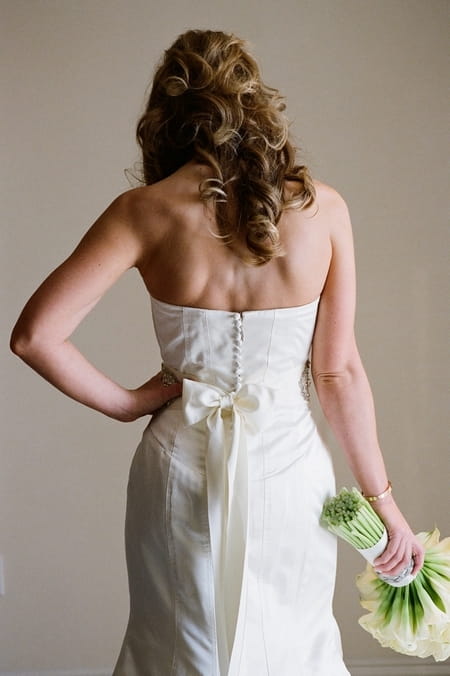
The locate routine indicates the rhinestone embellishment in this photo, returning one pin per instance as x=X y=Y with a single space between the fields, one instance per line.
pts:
x=167 y=377
x=305 y=381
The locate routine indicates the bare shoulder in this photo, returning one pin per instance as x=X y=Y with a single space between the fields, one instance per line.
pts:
x=138 y=203
x=328 y=197
x=143 y=211
x=331 y=207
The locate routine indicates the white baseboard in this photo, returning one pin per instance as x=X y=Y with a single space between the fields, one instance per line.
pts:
x=356 y=668
x=397 y=668
x=63 y=672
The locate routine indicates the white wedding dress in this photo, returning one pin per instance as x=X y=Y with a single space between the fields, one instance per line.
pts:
x=230 y=572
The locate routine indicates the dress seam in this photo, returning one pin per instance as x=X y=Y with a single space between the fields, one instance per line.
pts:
x=263 y=530
x=212 y=598
x=269 y=346
x=172 y=559
x=208 y=334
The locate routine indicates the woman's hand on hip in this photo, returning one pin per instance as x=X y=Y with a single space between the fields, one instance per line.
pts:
x=151 y=396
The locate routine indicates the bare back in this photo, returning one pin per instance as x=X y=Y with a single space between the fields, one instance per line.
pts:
x=170 y=236
x=185 y=262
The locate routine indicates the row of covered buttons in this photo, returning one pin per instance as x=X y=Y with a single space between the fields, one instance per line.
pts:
x=237 y=349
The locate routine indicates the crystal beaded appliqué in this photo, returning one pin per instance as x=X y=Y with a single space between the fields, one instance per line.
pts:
x=167 y=377
x=305 y=381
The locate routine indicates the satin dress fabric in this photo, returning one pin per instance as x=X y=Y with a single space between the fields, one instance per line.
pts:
x=230 y=572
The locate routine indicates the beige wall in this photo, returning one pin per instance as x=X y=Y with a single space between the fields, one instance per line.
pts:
x=365 y=86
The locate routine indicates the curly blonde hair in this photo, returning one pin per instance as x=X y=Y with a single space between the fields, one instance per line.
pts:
x=208 y=103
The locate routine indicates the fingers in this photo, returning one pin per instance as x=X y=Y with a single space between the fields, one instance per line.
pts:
x=163 y=392
x=171 y=388
x=401 y=548
x=418 y=557
x=395 y=557
x=154 y=395
x=171 y=391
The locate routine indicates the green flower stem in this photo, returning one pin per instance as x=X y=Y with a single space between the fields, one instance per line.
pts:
x=350 y=516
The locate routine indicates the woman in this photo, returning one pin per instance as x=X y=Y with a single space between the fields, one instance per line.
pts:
x=249 y=265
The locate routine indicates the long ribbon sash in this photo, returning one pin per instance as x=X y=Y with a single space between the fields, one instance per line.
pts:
x=229 y=417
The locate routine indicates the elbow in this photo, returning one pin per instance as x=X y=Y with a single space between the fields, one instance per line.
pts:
x=338 y=377
x=333 y=380
x=23 y=344
x=337 y=372
x=19 y=343
x=16 y=341
x=334 y=387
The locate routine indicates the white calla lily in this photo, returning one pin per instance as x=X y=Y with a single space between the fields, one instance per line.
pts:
x=412 y=620
x=410 y=615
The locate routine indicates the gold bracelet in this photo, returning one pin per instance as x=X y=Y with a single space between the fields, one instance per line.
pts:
x=384 y=494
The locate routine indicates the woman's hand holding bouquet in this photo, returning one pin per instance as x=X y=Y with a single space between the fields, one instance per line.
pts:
x=406 y=584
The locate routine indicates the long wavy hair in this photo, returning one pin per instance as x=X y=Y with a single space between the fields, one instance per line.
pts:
x=208 y=103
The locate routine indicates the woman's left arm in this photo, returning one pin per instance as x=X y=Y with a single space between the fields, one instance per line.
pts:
x=41 y=335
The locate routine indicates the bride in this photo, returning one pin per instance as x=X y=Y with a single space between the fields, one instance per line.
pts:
x=249 y=265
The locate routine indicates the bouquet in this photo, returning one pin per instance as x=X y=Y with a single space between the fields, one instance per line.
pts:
x=410 y=614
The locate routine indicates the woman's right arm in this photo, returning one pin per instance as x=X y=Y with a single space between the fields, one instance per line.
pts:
x=41 y=336
x=344 y=391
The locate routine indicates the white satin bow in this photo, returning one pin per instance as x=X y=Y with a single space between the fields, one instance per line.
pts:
x=201 y=400
x=230 y=417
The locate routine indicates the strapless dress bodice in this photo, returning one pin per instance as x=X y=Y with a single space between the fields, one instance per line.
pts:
x=227 y=349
